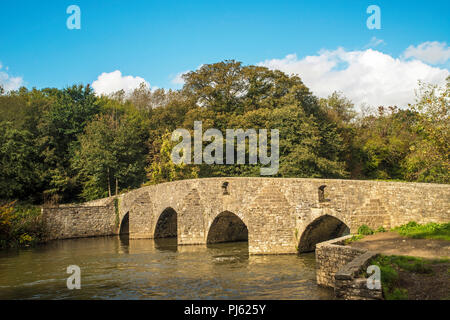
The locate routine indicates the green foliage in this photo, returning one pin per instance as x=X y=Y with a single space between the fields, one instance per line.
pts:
x=389 y=276
x=426 y=231
x=163 y=169
x=381 y=229
x=354 y=238
x=20 y=168
x=71 y=145
x=20 y=225
x=365 y=230
x=112 y=153
x=71 y=110
x=429 y=157
x=397 y=294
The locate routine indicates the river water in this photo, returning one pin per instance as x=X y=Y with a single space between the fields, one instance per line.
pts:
x=118 y=268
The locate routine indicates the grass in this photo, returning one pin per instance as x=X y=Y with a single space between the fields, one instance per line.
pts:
x=364 y=230
x=391 y=265
x=430 y=230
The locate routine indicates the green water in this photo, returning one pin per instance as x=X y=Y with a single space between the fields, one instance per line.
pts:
x=115 y=268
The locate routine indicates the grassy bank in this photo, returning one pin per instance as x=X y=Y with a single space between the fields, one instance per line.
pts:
x=430 y=230
x=404 y=277
x=20 y=225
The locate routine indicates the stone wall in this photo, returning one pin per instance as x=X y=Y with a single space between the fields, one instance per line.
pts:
x=350 y=285
x=79 y=221
x=340 y=267
x=276 y=211
x=331 y=256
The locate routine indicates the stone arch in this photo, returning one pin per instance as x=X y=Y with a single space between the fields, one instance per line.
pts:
x=321 y=229
x=227 y=227
x=167 y=224
x=124 y=229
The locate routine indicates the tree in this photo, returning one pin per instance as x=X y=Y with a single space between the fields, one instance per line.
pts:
x=429 y=159
x=70 y=111
x=383 y=141
x=112 y=155
x=20 y=174
x=163 y=169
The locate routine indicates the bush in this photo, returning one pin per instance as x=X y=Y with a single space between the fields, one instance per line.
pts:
x=365 y=230
x=20 y=225
x=381 y=229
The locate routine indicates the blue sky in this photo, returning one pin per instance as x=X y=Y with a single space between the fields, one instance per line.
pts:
x=156 y=40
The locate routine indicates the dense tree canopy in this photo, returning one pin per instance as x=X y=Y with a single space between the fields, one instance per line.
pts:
x=71 y=145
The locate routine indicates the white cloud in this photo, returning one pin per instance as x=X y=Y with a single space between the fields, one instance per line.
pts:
x=374 y=42
x=178 y=79
x=366 y=77
x=108 y=83
x=9 y=83
x=431 y=52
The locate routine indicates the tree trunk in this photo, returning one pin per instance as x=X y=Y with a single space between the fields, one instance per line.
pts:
x=109 y=185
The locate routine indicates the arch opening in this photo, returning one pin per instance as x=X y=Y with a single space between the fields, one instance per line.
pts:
x=322 y=229
x=227 y=227
x=125 y=225
x=166 y=227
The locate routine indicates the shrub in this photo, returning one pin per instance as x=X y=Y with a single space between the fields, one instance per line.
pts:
x=365 y=230
x=20 y=225
x=381 y=229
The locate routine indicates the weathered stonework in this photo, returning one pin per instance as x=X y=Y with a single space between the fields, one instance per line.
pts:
x=331 y=256
x=349 y=285
x=340 y=267
x=276 y=211
x=79 y=221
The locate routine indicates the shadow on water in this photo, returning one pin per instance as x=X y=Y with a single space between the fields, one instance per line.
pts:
x=124 y=243
x=229 y=252
x=166 y=244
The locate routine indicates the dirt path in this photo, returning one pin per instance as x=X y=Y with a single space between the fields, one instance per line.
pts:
x=391 y=243
x=435 y=286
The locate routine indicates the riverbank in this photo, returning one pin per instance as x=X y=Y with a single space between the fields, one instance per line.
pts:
x=413 y=260
x=392 y=243
x=412 y=278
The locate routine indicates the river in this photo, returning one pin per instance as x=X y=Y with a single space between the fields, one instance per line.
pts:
x=118 y=268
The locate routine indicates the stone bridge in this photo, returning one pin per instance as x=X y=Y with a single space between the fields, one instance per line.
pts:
x=275 y=215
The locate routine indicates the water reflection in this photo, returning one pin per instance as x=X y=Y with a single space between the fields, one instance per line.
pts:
x=166 y=244
x=123 y=268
